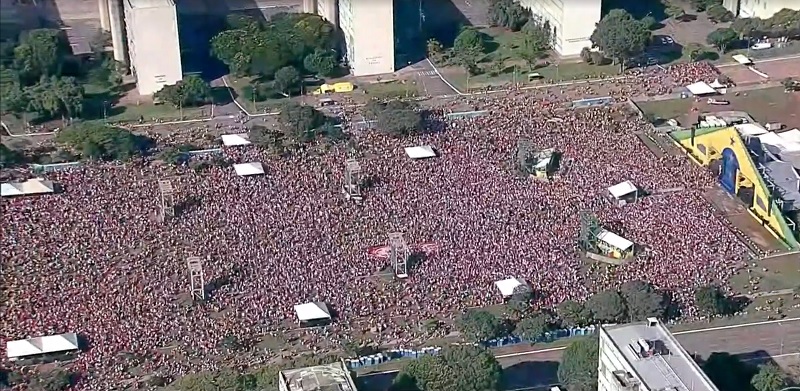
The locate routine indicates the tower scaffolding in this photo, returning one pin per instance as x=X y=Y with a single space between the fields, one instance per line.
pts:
x=167 y=199
x=197 y=281
x=352 y=180
x=399 y=253
x=524 y=152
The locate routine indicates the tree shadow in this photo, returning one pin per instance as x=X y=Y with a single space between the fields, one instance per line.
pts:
x=639 y=9
x=708 y=55
x=223 y=95
x=530 y=374
x=442 y=20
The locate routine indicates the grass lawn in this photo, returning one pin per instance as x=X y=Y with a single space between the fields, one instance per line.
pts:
x=99 y=97
x=239 y=83
x=390 y=89
x=768 y=275
x=665 y=109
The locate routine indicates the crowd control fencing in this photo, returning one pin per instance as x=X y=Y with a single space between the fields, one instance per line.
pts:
x=54 y=167
x=203 y=152
x=466 y=114
x=592 y=102
x=396 y=354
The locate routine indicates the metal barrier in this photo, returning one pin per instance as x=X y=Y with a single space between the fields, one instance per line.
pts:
x=466 y=114
x=394 y=354
x=44 y=168
x=592 y=102
x=201 y=152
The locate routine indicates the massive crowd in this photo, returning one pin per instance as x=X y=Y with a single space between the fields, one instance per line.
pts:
x=96 y=260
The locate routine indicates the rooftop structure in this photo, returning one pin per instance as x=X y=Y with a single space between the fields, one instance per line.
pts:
x=155 y=53
x=646 y=356
x=330 y=377
x=48 y=344
x=759 y=8
x=368 y=30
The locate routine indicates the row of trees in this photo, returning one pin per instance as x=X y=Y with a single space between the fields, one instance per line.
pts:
x=395 y=117
x=784 y=23
x=633 y=301
x=191 y=91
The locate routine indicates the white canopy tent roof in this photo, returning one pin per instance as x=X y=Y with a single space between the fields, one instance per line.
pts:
x=42 y=345
x=622 y=189
x=774 y=140
x=247 y=169
x=716 y=84
x=742 y=59
x=614 y=240
x=230 y=140
x=312 y=311
x=29 y=187
x=421 y=152
x=750 y=129
x=507 y=286
x=792 y=136
x=701 y=88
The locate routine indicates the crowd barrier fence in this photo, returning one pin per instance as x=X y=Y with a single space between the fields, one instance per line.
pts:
x=592 y=102
x=395 y=354
x=53 y=167
x=467 y=114
x=202 y=152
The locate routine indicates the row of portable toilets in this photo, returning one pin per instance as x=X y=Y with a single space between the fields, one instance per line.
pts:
x=394 y=354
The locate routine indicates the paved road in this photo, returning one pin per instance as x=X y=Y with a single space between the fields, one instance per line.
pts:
x=429 y=80
x=751 y=341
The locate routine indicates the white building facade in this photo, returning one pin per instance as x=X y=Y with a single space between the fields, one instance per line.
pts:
x=573 y=22
x=763 y=8
x=368 y=29
x=645 y=356
x=153 y=45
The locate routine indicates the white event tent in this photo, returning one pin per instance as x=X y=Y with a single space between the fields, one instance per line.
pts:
x=509 y=285
x=29 y=187
x=247 y=169
x=421 y=152
x=614 y=240
x=701 y=88
x=622 y=189
x=312 y=312
x=230 y=140
x=41 y=345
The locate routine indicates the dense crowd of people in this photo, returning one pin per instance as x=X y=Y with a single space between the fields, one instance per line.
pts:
x=95 y=259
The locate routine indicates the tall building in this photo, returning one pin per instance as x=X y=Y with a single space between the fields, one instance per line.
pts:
x=645 y=356
x=368 y=29
x=761 y=8
x=153 y=47
x=573 y=22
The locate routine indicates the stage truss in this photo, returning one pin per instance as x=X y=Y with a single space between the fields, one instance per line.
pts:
x=197 y=281
x=399 y=254
x=351 y=188
x=167 y=199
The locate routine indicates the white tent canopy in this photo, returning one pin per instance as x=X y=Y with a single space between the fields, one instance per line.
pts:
x=750 y=129
x=622 y=189
x=509 y=285
x=701 y=88
x=247 y=169
x=29 y=187
x=717 y=84
x=42 y=345
x=312 y=311
x=614 y=240
x=781 y=143
x=792 y=136
x=742 y=59
x=421 y=152
x=230 y=140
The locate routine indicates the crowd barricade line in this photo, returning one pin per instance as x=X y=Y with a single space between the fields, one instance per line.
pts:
x=396 y=354
x=53 y=167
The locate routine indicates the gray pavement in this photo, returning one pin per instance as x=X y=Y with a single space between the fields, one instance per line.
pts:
x=429 y=81
x=750 y=342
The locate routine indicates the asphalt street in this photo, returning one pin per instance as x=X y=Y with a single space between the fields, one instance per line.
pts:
x=538 y=368
x=428 y=79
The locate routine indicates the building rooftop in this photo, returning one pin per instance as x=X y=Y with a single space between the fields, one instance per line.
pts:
x=330 y=377
x=139 y=4
x=667 y=367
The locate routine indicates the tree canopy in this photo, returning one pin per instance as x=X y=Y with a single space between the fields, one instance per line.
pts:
x=40 y=53
x=532 y=327
x=508 y=14
x=252 y=48
x=642 y=300
x=479 y=326
x=456 y=368
x=607 y=307
x=96 y=141
x=711 y=300
x=395 y=117
x=300 y=122
x=469 y=47
x=538 y=39
x=722 y=38
x=191 y=91
x=769 y=378
x=620 y=36
x=578 y=369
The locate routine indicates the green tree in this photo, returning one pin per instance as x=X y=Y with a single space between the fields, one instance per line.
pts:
x=434 y=48
x=649 y=22
x=620 y=36
x=10 y=157
x=727 y=372
x=299 y=122
x=520 y=302
x=711 y=300
x=722 y=38
x=287 y=80
x=719 y=13
x=642 y=300
x=469 y=47
x=538 y=40
x=693 y=51
x=479 y=326
x=769 y=378
x=456 y=368
x=607 y=307
x=267 y=377
x=578 y=369
x=532 y=327
x=55 y=380
x=41 y=52
x=674 y=12
x=56 y=96
x=191 y=91
x=574 y=314
x=320 y=62
x=398 y=118
x=746 y=27
x=13 y=98
x=96 y=141
x=508 y=14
